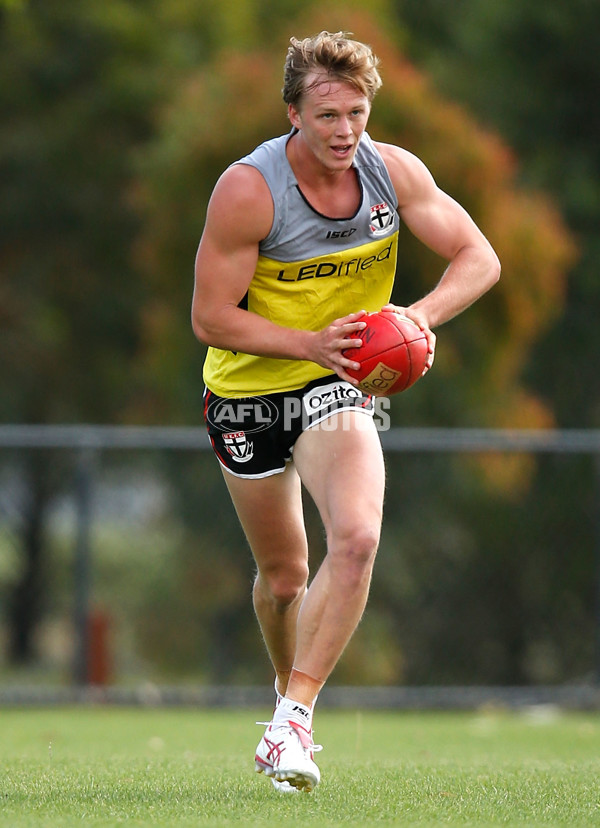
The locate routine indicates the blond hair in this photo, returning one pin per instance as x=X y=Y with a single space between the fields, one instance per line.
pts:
x=334 y=54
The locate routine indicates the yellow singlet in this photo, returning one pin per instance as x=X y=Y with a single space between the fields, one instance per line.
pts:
x=351 y=267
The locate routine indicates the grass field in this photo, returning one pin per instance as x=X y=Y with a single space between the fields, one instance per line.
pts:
x=114 y=766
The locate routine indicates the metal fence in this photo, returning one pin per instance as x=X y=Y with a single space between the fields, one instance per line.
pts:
x=123 y=571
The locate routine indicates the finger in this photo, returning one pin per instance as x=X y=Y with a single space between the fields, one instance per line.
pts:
x=354 y=326
x=394 y=309
x=349 y=363
x=430 y=353
x=343 y=361
x=346 y=344
x=350 y=318
x=346 y=377
x=406 y=313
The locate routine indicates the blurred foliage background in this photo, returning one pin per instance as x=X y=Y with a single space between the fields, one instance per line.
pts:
x=117 y=119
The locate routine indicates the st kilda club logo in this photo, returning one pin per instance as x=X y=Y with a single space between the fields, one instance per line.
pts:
x=380 y=219
x=238 y=446
x=236 y=418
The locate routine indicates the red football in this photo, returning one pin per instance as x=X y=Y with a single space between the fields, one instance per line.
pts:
x=393 y=354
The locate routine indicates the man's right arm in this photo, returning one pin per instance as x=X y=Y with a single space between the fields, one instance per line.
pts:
x=239 y=216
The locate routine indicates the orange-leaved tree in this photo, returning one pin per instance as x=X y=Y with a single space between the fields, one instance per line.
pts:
x=224 y=110
x=218 y=115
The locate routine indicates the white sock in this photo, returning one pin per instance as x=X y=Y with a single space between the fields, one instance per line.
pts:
x=289 y=710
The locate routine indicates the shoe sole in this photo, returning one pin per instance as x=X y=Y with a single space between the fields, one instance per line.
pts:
x=284 y=788
x=300 y=780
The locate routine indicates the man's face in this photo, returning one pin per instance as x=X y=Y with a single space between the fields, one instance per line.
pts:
x=331 y=118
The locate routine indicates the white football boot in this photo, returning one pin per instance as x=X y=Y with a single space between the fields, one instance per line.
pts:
x=281 y=787
x=285 y=752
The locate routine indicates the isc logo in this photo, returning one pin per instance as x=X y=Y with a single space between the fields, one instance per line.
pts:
x=340 y=234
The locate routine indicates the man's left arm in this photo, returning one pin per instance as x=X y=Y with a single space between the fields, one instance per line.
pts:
x=445 y=227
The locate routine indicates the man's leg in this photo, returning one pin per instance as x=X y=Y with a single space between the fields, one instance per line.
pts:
x=341 y=465
x=270 y=512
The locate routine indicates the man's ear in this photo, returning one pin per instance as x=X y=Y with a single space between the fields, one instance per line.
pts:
x=294 y=116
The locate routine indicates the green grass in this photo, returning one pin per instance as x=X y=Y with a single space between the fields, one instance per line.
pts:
x=101 y=766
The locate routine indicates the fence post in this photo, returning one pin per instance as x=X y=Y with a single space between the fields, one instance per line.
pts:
x=84 y=474
x=596 y=672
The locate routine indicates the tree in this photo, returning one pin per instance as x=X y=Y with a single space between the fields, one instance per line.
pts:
x=76 y=97
x=531 y=71
x=222 y=111
x=227 y=108
x=73 y=107
x=118 y=118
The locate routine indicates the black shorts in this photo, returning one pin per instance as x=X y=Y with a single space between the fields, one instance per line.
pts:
x=254 y=436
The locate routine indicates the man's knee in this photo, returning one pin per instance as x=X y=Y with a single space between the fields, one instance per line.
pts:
x=282 y=584
x=352 y=550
